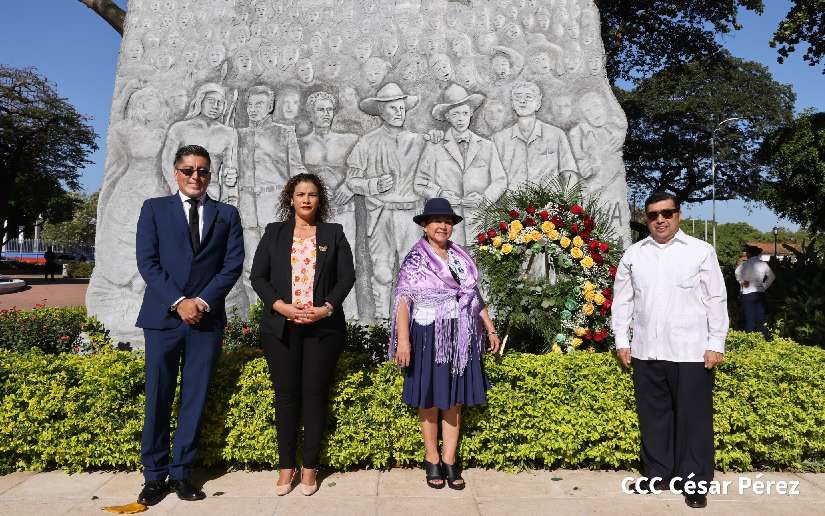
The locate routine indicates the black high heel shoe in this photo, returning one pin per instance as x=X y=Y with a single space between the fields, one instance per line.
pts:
x=434 y=472
x=453 y=474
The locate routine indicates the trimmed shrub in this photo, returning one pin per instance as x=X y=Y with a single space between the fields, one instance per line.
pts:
x=52 y=330
x=79 y=269
x=544 y=411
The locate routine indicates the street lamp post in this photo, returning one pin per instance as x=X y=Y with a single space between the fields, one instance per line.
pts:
x=713 y=171
x=775 y=235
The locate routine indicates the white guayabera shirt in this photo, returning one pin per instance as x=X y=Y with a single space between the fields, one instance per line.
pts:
x=673 y=297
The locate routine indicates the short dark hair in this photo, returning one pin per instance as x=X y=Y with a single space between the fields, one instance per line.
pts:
x=286 y=211
x=662 y=196
x=192 y=150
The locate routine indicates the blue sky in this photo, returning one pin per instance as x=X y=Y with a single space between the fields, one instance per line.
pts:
x=77 y=51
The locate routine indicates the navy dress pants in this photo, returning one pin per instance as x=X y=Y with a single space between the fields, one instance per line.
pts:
x=754 y=312
x=194 y=353
x=675 y=408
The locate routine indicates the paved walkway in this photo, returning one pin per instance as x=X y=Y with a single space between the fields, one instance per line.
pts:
x=57 y=292
x=402 y=491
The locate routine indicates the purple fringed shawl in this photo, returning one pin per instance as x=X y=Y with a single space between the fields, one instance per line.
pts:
x=425 y=279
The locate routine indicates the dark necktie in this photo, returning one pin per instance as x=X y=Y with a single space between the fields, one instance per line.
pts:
x=194 y=223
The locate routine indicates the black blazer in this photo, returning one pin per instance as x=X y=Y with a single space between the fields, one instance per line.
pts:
x=271 y=274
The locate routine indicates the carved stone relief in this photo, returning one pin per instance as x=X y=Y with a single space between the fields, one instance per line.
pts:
x=390 y=102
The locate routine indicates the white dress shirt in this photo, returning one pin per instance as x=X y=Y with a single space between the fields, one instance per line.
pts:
x=186 y=206
x=757 y=273
x=673 y=297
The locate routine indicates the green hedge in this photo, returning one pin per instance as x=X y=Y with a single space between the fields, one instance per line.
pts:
x=555 y=410
x=79 y=269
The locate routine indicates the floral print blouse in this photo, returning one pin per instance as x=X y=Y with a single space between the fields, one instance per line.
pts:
x=302 y=257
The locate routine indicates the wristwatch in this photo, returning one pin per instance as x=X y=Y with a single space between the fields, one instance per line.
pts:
x=330 y=309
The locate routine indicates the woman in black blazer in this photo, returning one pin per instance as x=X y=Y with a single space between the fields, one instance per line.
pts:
x=302 y=271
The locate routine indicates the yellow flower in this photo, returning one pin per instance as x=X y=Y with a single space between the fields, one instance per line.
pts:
x=564 y=242
x=506 y=248
x=577 y=241
x=599 y=299
x=580 y=331
x=576 y=342
x=536 y=235
x=553 y=234
x=547 y=227
x=516 y=226
x=587 y=262
x=497 y=241
x=482 y=248
x=588 y=309
x=527 y=237
x=556 y=348
x=588 y=286
x=576 y=253
x=589 y=296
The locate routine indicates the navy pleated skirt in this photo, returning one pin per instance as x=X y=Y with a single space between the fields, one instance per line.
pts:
x=427 y=384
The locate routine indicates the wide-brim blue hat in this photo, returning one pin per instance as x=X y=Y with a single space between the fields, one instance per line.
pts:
x=437 y=207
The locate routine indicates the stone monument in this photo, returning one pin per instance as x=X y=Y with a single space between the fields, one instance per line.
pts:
x=389 y=101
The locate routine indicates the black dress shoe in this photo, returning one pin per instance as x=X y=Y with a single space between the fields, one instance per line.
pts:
x=153 y=492
x=696 y=501
x=186 y=491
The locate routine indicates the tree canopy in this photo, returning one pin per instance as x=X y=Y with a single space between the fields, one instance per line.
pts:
x=80 y=229
x=673 y=115
x=804 y=24
x=796 y=180
x=44 y=143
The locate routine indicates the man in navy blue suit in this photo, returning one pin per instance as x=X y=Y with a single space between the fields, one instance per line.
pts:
x=190 y=254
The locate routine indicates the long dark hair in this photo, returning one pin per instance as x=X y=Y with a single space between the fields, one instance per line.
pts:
x=287 y=212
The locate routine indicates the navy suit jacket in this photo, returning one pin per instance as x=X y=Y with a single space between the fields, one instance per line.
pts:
x=170 y=269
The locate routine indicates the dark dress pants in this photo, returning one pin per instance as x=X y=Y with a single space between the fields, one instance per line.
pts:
x=194 y=352
x=753 y=310
x=301 y=366
x=675 y=408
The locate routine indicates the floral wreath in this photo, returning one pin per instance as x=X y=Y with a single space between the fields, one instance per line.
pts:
x=566 y=295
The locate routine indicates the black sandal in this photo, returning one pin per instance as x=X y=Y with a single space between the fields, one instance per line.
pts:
x=434 y=472
x=453 y=474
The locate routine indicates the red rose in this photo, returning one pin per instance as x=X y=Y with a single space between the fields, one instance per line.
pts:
x=588 y=222
x=245 y=330
x=529 y=221
x=64 y=338
x=531 y=210
x=607 y=304
x=588 y=334
x=503 y=226
x=557 y=222
x=600 y=335
x=482 y=237
x=576 y=209
x=491 y=233
x=513 y=214
x=613 y=271
x=604 y=246
x=597 y=258
x=544 y=215
x=585 y=234
x=593 y=245
x=607 y=292
x=574 y=228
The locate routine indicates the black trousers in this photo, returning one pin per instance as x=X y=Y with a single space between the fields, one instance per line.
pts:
x=301 y=366
x=675 y=408
x=753 y=310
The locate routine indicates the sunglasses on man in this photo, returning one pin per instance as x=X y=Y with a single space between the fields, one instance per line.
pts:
x=667 y=213
x=202 y=172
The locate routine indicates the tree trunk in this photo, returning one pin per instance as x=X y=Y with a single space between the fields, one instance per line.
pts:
x=109 y=11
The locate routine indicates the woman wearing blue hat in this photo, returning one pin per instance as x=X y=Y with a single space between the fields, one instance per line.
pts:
x=438 y=334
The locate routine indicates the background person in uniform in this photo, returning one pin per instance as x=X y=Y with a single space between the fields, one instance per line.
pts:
x=754 y=277
x=190 y=254
x=670 y=291
x=302 y=272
